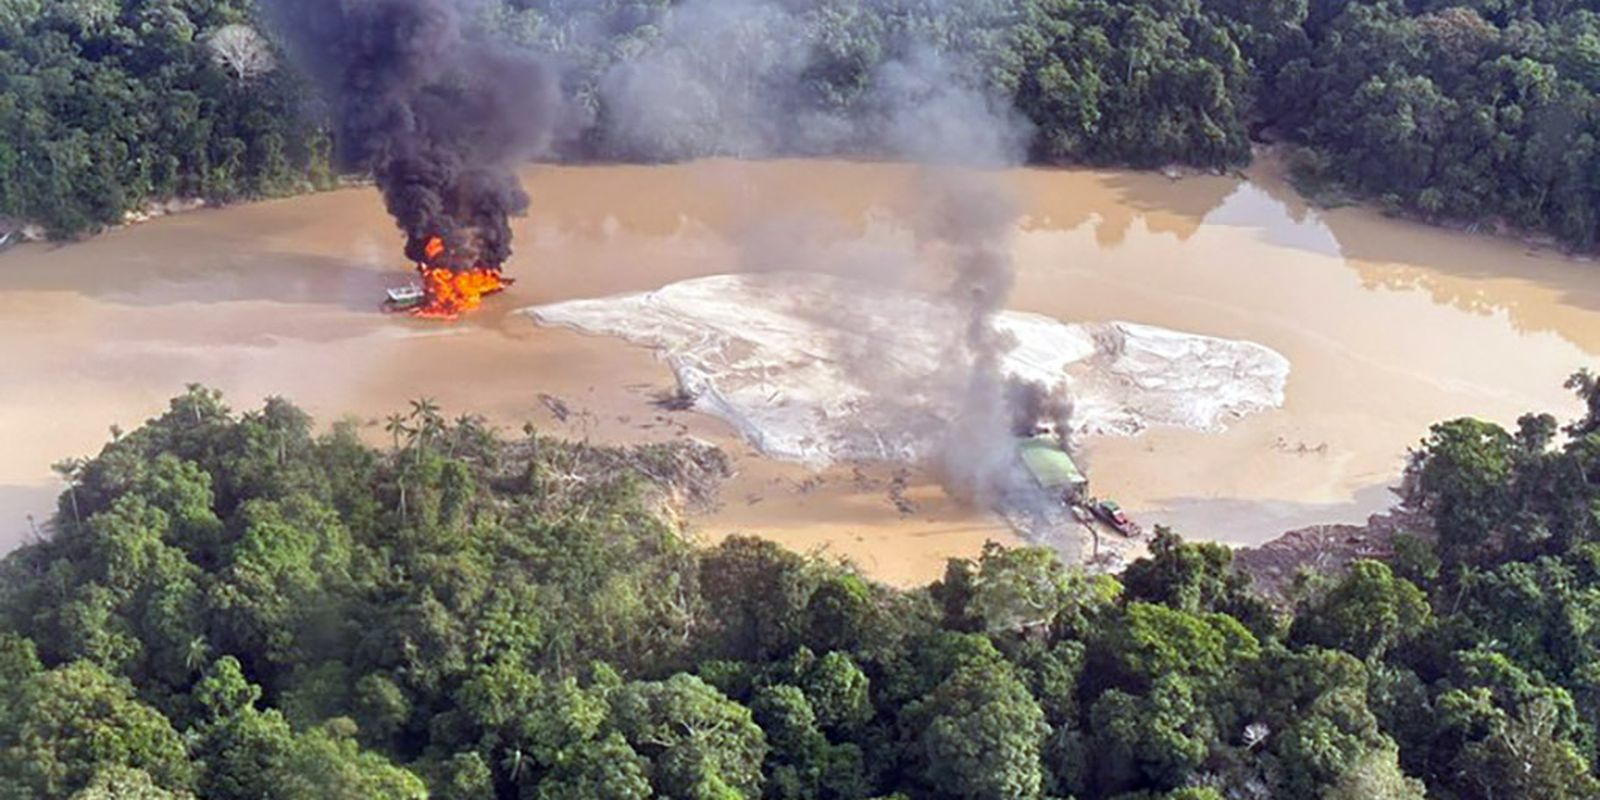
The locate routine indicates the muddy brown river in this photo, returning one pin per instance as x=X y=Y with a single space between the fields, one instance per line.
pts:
x=1389 y=326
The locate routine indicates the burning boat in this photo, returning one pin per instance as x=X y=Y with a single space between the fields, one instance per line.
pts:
x=441 y=119
x=405 y=298
x=445 y=292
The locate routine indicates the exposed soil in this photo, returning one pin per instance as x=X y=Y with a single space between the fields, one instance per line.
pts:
x=1329 y=549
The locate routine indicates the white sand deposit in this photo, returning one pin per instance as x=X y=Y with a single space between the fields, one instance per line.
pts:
x=820 y=369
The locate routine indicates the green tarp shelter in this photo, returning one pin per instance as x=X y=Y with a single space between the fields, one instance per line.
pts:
x=1049 y=464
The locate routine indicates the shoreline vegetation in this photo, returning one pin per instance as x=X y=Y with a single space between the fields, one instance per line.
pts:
x=242 y=609
x=1481 y=113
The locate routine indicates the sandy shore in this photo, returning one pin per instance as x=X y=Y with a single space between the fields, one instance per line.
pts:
x=1389 y=326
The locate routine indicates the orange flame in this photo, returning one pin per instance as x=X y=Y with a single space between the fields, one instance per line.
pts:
x=451 y=293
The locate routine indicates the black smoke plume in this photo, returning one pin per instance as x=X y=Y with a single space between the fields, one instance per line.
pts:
x=1034 y=406
x=440 y=117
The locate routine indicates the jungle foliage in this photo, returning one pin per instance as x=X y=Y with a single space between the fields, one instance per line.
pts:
x=108 y=105
x=1482 y=111
x=232 y=606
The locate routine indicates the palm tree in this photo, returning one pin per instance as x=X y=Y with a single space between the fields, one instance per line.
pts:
x=395 y=425
x=426 y=410
x=194 y=656
x=513 y=763
x=71 y=471
x=424 y=407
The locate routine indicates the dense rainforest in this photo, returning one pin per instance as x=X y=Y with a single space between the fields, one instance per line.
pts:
x=1481 y=111
x=234 y=606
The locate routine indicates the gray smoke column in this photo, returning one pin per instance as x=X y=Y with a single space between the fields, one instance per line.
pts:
x=441 y=118
x=961 y=134
x=722 y=78
x=731 y=77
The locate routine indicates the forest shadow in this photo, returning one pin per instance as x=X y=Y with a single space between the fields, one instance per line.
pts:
x=1450 y=270
x=1450 y=265
x=1166 y=206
